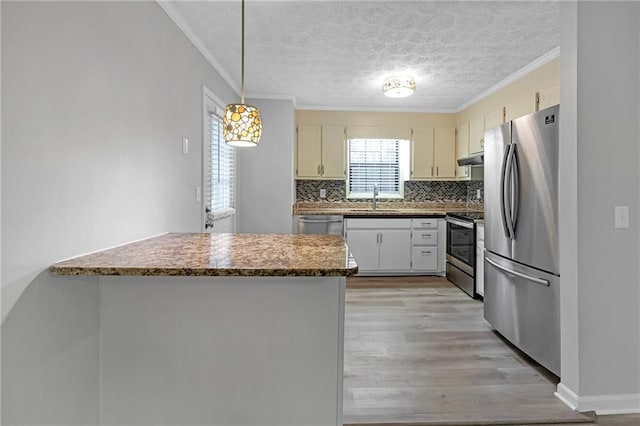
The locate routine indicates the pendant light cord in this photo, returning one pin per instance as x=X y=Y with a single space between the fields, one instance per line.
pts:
x=242 y=53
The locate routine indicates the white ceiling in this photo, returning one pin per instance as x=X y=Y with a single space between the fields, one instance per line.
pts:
x=335 y=54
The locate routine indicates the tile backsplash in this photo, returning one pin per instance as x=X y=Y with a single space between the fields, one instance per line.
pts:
x=414 y=191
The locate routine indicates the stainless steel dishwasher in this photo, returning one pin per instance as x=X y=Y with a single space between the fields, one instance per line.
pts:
x=320 y=224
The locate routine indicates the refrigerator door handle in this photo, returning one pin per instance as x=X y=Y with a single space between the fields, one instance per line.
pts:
x=536 y=280
x=515 y=188
x=503 y=184
x=508 y=193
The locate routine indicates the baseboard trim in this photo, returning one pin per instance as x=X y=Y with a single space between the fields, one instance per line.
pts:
x=628 y=403
x=567 y=396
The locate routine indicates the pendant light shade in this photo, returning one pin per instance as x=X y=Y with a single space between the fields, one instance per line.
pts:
x=241 y=123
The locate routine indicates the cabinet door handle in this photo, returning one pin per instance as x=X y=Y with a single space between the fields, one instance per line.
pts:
x=425 y=252
x=426 y=235
x=437 y=171
x=431 y=170
x=380 y=239
x=322 y=168
x=318 y=169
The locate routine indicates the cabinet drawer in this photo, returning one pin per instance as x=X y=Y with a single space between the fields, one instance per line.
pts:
x=425 y=237
x=424 y=223
x=378 y=223
x=424 y=258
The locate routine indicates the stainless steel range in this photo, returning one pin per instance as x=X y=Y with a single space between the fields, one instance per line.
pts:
x=461 y=250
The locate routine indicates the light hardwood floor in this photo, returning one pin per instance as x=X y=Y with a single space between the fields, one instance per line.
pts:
x=418 y=351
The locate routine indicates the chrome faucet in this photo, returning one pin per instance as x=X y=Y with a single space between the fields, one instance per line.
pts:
x=375 y=196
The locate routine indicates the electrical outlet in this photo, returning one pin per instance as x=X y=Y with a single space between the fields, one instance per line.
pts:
x=323 y=193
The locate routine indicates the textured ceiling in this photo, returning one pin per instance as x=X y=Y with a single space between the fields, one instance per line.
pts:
x=335 y=54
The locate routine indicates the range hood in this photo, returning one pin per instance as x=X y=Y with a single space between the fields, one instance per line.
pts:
x=472 y=160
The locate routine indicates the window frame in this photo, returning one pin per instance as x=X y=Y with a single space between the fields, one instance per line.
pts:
x=214 y=107
x=403 y=169
x=225 y=156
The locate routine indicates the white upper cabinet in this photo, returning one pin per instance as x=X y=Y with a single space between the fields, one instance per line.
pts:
x=333 y=152
x=462 y=149
x=476 y=135
x=549 y=97
x=444 y=152
x=422 y=153
x=433 y=153
x=320 y=152
x=493 y=118
x=518 y=107
x=309 y=152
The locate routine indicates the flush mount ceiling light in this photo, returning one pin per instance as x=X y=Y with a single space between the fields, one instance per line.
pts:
x=241 y=123
x=399 y=86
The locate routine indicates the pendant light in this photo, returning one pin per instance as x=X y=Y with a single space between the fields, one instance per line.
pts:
x=242 y=126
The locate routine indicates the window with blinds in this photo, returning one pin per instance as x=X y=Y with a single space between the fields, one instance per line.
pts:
x=221 y=174
x=377 y=161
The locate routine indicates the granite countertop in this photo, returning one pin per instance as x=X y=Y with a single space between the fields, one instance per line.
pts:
x=219 y=255
x=391 y=209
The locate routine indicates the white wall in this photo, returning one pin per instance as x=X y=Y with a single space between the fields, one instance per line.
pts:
x=602 y=112
x=96 y=97
x=568 y=198
x=265 y=173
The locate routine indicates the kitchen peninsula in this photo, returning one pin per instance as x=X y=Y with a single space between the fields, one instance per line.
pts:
x=220 y=329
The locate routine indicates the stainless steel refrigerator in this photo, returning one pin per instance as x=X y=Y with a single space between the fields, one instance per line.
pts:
x=521 y=267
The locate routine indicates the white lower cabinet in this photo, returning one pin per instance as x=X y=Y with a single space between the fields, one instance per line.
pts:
x=396 y=246
x=480 y=259
x=363 y=244
x=395 y=250
x=424 y=258
x=380 y=245
x=425 y=250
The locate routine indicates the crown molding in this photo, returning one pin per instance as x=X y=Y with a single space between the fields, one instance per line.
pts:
x=195 y=40
x=376 y=109
x=273 y=97
x=537 y=63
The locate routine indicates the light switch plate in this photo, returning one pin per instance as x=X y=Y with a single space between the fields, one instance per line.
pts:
x=621 y=217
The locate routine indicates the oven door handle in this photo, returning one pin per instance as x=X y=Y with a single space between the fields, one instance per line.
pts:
x=462 y=223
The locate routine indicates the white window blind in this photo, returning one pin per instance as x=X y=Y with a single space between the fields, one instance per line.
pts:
x=221 y=175
x=375 y=161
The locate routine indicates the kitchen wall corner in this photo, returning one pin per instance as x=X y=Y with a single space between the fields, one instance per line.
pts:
x=265 y=189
